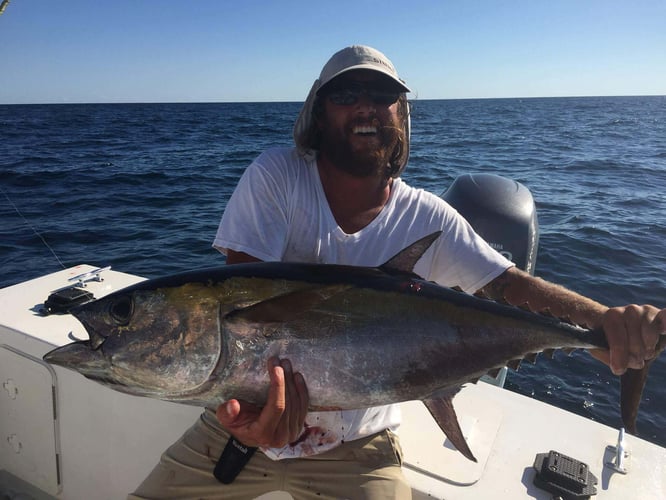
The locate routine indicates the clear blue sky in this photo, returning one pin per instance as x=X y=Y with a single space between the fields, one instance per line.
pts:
x=259 y=50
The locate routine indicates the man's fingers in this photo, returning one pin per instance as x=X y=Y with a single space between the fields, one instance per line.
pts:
x=281 y=420
x=635 y=326
x=660 y=322
x=617 y=337
x=633 y=333
x=228 y=412
x=303 y=399
x=654 y=327
x=272 y=412
x=290 y=425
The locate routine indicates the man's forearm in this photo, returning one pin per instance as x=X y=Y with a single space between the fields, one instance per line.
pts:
x=519 y=288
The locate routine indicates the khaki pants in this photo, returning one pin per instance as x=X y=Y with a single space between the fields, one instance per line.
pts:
x=367 y=468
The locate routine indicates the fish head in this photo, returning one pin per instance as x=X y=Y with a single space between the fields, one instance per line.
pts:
x=162 y=343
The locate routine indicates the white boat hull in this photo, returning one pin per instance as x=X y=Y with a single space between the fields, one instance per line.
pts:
x=64 y=436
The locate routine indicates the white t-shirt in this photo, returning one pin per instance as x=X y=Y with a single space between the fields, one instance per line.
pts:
x=279 y=212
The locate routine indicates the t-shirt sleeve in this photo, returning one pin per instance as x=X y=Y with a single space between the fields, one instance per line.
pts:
x=255 y=218
x=460 y=257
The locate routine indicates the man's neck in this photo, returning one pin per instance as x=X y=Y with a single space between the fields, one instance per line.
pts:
x=354 y=201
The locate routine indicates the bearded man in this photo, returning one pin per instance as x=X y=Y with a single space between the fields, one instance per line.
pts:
x=337 y=198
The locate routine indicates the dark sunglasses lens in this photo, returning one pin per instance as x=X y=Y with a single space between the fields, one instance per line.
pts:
x=344 y=97
x=383 y=97
x=348 y=97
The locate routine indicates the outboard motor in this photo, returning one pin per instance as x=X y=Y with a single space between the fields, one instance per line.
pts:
x=502 y=212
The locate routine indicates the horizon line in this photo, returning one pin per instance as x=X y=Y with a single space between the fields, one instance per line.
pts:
x=301 y=102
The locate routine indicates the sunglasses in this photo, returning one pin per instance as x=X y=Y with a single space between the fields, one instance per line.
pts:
x=350 y=95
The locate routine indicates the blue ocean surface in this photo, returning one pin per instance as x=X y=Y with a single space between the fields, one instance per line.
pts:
x=141 y=187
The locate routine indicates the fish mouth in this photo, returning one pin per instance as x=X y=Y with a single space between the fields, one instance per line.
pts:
x=83 y=358
x=95 y=340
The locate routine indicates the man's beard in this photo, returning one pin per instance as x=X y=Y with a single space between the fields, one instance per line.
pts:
x=360 y=162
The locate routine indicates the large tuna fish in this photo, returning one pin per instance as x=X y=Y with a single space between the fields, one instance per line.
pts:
x=360 y=336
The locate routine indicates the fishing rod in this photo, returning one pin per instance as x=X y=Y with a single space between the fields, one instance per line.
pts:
x=23 y=217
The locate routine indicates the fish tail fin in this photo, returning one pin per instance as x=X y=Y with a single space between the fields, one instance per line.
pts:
x=441 y=408
x=631 y=389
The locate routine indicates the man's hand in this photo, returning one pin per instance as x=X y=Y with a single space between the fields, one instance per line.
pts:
x=635 y=334
x=278 y=423
x=632 y=333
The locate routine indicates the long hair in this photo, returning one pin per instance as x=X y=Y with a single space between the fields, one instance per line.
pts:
x=308 y=136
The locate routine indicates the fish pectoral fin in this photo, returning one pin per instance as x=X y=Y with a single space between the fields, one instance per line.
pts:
x=288 y=306
x=441 y=409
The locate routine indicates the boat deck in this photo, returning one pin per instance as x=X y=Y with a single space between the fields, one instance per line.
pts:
x=68 y=437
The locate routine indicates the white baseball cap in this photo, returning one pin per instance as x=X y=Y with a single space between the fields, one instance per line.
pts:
x=360 y=57
x=347 y=59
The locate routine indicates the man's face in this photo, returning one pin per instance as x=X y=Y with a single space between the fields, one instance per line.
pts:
x=360 y=124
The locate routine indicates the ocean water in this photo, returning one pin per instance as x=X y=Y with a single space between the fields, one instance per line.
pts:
x=141 y=187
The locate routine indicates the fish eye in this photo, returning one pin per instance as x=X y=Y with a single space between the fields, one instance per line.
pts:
x=121 y=310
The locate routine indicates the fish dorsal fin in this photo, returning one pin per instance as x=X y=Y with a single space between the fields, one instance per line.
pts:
x=441 y=409
x=405 y=260
x=288 y=306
